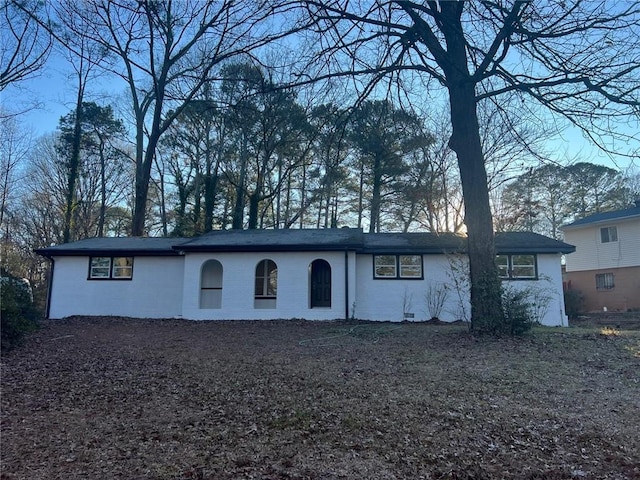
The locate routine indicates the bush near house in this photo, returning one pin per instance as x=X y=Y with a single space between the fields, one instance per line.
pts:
x=17 y=311
x=573 y=303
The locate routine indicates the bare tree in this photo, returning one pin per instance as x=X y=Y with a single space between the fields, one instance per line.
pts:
x=24 y=42
x=577 y=59
x=14 y=148
x=165 y=51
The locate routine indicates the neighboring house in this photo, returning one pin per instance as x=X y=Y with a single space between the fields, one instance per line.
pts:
x=605 y=267
x=311 y=274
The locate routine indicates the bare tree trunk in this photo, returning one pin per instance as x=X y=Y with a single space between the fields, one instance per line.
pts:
x=486 y=306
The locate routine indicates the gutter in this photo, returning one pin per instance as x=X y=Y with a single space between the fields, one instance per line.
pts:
x=346 y=284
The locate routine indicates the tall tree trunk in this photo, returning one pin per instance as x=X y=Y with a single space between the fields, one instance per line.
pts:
x=103 y=191
x=486 y=306
x=374 y=225
x=238 y=209
x=73 y=169
x=254 y=204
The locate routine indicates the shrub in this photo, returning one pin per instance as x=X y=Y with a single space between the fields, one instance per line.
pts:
x=518 y=311
x=16 y=311
x=573 y=302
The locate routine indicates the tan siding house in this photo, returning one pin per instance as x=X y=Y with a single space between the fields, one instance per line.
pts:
x=605 y=267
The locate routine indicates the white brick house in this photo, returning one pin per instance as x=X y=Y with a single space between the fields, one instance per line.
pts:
x=311 y=274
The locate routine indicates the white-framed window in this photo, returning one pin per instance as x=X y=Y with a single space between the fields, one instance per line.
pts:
x=384 y=266
x=410 y=266
x=406 y=267
x=517 y=267
x=605 y=281
x=110 y=268
x=608 y=234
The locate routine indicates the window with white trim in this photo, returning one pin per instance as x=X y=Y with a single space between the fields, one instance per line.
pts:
x=110 y=268
x=397 y=267
x=517 y=267
x=608 y=234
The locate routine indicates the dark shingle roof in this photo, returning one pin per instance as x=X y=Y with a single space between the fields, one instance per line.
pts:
x=529 y=242
x=506 y=242
x=304 y=240
x=607 y=216
x=413 y=243
x=275 y=240
x=115 y=246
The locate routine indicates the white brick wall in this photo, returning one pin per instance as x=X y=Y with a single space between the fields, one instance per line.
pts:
x=238 y=286
x=155 y=291
x=164 y=287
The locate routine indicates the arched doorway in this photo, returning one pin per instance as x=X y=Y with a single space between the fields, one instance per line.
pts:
x=320 y=284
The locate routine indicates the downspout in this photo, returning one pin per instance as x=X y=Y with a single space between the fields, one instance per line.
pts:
x=346 y=284
x=49 y=288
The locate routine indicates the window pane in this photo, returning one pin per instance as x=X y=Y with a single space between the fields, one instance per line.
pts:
x=385 y=266
x=100 y=267
x=122 y=267
x=608 y=234
x=410 y=266
x=266 y=279
x=259 y=286
x=604 y=281
x=503 y=265
x=523 y=266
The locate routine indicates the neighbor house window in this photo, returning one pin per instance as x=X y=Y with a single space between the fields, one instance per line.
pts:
x=115 y=268
x=517 y=267
x=397 y=266
x=608 y=234
x=604 y=281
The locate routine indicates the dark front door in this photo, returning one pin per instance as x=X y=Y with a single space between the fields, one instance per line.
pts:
x=320 y=284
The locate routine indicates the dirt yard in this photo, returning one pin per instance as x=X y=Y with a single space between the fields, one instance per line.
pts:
x=133 y=399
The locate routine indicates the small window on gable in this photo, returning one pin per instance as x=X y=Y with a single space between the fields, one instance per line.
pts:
x=111 y=268
x=608 y=234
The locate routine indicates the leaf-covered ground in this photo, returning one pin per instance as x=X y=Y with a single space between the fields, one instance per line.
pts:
x=118 y=398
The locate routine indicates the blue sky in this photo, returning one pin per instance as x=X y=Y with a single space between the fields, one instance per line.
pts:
x=54 y=92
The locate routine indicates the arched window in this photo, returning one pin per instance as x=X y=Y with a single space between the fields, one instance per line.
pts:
x=211 y=284
x=320 y=290
x=266 y=284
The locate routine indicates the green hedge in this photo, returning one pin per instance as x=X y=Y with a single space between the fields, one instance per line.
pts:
x=17 y=311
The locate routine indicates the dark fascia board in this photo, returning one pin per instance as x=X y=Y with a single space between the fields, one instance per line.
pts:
x=49 y=253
